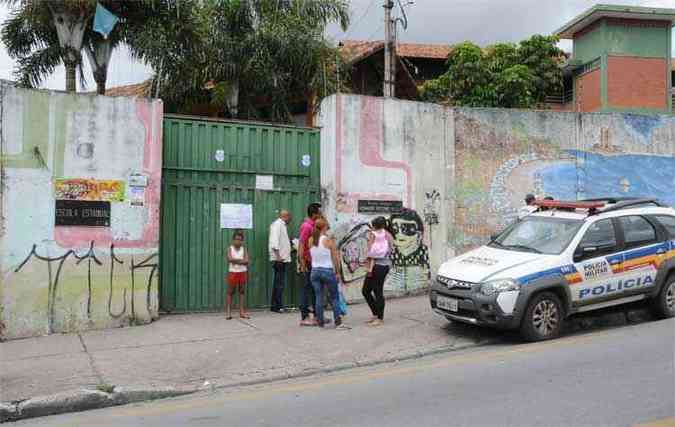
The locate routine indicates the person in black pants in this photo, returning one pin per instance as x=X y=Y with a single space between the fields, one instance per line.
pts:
x=373 y=286
x=280 y=256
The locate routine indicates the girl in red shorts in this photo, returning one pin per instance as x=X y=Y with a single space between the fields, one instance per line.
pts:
x=237 y=258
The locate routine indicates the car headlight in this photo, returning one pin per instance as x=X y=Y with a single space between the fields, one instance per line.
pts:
x=498 y=286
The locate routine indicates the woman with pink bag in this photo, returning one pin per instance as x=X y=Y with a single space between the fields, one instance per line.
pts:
x=380 y=245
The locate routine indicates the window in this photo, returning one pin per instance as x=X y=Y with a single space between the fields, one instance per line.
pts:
x=669 y=223
x=600 y=235
x=538 y=234
x=637 y=231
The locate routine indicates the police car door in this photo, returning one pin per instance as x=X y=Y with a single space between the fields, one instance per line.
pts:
x=596 y=258
x=644 y=250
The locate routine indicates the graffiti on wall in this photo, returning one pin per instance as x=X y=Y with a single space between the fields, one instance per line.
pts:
x=89 y=189
x=353 y=249
x=67 y=147
x=55 y=266
x=501 y=157
x=410 y=255
x=392 y=179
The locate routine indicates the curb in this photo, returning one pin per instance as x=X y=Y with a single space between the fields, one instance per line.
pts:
x=84 y=400
x=87 y=399
x=353 y=365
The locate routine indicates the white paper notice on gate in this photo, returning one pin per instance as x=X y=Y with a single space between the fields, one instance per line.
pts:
x=236 y=216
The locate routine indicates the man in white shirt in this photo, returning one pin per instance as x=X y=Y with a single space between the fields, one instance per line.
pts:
x=528 y=208
x=280 y=256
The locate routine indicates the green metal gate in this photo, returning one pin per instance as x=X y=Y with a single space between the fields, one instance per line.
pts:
x=207 y=163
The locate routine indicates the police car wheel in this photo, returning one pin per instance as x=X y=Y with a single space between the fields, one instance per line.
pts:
x=543 y=318
x=664 y=304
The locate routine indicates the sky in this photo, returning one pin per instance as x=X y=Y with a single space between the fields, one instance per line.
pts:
x=429 y=21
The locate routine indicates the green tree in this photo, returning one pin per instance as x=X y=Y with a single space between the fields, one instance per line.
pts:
x=543 y=57
x=503 y=75
x=264 y=52
x=41 y=35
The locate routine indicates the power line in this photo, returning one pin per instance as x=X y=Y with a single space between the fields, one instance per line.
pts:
x=358 y=21
x=375 y=32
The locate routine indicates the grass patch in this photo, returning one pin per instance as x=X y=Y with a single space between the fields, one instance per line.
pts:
x=106 y=388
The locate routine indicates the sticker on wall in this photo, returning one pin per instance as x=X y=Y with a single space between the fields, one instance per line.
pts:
x=264 y=182
x=137 y=180
x=89 y=189
x=220 y=156
x=236 y=216
x=137 y=196
x=306 y=160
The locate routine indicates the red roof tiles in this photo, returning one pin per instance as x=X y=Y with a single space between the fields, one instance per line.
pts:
x=140 y=90
x=356 y=50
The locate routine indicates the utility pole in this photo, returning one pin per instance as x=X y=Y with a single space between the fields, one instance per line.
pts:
x=389 y=52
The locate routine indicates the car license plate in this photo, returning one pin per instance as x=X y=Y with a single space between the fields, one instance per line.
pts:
x=450 y=304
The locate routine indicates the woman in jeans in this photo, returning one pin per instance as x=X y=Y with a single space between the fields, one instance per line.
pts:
x=373 y=285
x=325 y=272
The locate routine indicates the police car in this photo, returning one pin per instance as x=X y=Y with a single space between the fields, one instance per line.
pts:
x=564 y=258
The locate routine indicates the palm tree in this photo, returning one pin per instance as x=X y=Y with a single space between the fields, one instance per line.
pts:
x=41 y=35
x=36 y=42
x=246 y=50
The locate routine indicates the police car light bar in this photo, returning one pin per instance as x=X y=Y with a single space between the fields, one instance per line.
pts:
x=560 y=204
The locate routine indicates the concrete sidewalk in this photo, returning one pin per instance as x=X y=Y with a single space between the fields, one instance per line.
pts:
x=189 y=350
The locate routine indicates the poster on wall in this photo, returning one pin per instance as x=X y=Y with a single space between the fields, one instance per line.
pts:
x=236 y=216
x=82 y=213
x=264 y=182
x=89 y=189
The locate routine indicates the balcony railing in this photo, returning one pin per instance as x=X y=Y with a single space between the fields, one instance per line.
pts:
x=561 y=98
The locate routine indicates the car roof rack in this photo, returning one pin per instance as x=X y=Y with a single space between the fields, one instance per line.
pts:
x=596 y=206
x=632 y=203
x=611 y=199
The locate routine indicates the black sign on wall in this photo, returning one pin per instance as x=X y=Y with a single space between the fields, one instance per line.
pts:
x=379 y=206
x=82 y=213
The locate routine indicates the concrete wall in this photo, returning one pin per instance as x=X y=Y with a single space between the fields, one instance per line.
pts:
x=466 y=171
x=69 y=278
x=376 y=149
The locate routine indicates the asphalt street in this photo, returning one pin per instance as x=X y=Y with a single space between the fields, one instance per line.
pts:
x=616 y=377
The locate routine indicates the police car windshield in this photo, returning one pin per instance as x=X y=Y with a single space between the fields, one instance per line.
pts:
x=539 y=235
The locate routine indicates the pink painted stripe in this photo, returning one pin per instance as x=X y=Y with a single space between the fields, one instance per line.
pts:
x=370 y=149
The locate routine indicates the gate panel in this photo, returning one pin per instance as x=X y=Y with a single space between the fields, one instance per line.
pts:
x=196 y=181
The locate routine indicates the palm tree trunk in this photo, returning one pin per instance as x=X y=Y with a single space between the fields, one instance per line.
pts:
x=101 y=77
x=71 y=81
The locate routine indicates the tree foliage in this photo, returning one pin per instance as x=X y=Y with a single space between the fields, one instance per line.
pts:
x=255 y=56
x=503 y=75
x=42 y=35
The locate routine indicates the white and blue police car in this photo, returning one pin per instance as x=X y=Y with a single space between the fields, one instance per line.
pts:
x=562 y=259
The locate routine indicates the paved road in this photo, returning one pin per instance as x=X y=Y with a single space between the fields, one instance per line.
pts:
x=618 y=377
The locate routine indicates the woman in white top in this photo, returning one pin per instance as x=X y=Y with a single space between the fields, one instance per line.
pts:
x=325 y=272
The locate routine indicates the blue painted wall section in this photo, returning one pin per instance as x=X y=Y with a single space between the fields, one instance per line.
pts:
x=501 y=155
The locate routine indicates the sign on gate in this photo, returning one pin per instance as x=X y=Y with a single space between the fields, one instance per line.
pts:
x=236 y=216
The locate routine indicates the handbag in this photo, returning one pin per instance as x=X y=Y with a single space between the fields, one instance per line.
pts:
x=342 y=303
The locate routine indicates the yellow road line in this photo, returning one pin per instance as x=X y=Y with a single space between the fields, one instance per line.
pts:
x=666 y=422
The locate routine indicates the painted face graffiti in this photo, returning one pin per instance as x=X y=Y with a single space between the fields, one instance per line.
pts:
x=408 y=231
x=407 y=236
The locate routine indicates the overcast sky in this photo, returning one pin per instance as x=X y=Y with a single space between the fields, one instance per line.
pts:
x=430 y=21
